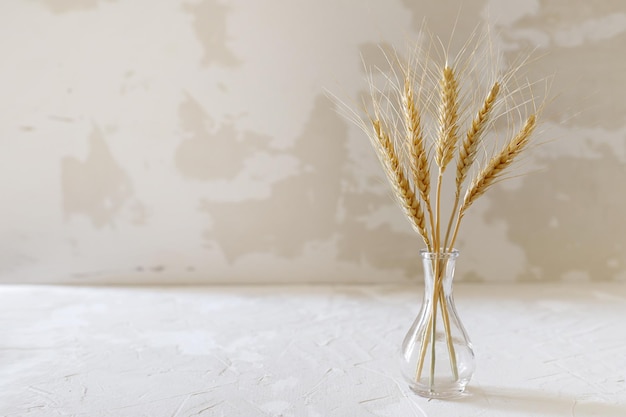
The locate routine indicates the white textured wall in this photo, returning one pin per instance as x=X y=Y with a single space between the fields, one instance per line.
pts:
x=191 y=141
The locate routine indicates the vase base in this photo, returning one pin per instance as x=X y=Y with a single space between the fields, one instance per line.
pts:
x=454 y=390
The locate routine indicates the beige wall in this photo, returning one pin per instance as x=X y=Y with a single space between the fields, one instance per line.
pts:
x=165 y=141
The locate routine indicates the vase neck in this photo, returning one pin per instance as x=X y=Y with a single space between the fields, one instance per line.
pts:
x=439 y=267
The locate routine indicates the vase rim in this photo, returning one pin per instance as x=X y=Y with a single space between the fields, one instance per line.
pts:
x=450 y=254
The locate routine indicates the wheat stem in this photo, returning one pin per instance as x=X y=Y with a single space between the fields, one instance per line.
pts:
x=423 y=348
x=446 y=144
x=447 y=139
x=448 y=331
x=433 y=319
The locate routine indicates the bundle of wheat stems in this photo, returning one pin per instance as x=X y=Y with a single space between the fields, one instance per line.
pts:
x=407 y=148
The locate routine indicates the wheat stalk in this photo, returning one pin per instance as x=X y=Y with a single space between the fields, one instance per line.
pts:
x=446 y=144
x=447 y=139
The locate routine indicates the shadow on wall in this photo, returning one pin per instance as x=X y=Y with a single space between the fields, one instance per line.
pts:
x=98 y=186
x=574 y=211
x=66 y=6
x=303 y=209
x=579 y=41
x=209 y=24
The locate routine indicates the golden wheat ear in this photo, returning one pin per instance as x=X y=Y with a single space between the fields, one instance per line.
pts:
x=469 y=147
x=418 y=156
x=498 y=164
x=415 y=141
x=402 y=188
x=448 y=118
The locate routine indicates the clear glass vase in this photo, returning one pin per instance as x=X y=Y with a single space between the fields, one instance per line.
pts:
x=437 y=355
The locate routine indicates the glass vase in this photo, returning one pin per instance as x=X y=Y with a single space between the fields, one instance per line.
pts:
x=437 y=355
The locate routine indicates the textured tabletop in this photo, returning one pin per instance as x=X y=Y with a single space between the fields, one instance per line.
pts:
x=542 y=350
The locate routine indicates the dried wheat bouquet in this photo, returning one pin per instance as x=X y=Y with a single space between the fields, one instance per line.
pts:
x=429 y=117
x=446 y=128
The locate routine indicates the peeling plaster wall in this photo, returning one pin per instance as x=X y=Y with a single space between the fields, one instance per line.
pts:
x=191 y=141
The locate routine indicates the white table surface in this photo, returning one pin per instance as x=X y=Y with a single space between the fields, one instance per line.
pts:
x=542 y=350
